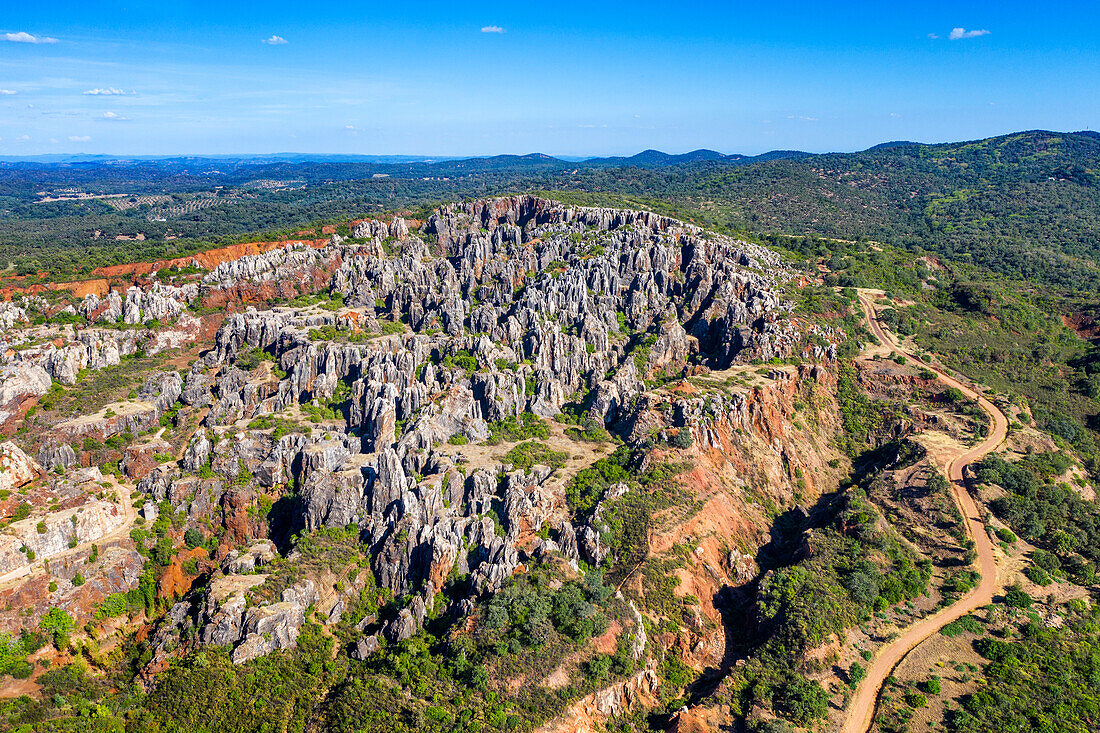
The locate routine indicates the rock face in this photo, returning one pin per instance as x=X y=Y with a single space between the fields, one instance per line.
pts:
x=51 y=535
x=21 y=383
x=258 y=554
x=115 y=570
x=16 y=467
x=592 y=712
x=490 y=311
x=160 y=303
x=224 y=617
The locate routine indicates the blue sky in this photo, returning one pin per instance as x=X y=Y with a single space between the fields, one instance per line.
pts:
x=564 y=78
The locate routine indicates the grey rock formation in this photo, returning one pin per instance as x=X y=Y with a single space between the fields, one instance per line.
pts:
x=365 y=647
x=532 y=305
x=226 y=618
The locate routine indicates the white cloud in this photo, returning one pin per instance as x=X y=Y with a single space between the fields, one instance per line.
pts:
x=933 y=36
x=960 y=33
x=23 y=137
x=894 y=114
x=24 y=37
x=79 y=138
x=7 y=91
x=275 y=41
x=113 y=116
x=491 y=29
x=109 y=91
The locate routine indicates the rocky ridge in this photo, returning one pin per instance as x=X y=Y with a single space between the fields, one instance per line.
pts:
x=393 y=346
x=492 y=311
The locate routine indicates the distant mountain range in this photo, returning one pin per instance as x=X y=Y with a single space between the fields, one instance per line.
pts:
x=645 y=159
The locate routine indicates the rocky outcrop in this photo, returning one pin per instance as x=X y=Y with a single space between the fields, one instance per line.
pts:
x=224 y=617
x=53 y=534
x=16 y=467
x=11 y=314
x=491 y=311
x=113 y=569
x=267 y=628
x=154 y=399
x=258 y=554
x=590 y=713
x=21 y=383
x=53 y=454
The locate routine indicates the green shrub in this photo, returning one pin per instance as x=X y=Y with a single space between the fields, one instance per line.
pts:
x=801 y=701
x=915 y=700
x=1037 y=575
x=681 y=439
x=58 y=624
x=1016 y=597
x=113 y=605
x=856 y=673
x=525 y=455
x=962 y=625
x=510 y=429
x=931 y=686
x=589 y=484
x=193 y=538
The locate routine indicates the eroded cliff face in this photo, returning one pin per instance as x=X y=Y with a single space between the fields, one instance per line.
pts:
x=376 y=393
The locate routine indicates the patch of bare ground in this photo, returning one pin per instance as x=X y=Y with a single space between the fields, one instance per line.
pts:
x=951 y=661
x=581 y=454
x=556 y=680
x=11 y=687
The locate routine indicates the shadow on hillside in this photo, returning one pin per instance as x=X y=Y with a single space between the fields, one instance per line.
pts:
x=786 y=546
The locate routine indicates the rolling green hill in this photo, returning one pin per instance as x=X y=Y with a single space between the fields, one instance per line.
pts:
x=1021 y=205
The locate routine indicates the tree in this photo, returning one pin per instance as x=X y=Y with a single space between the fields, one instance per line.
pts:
x=681 y=439
x=856 y=673
x=801 y=701
x=58 y=624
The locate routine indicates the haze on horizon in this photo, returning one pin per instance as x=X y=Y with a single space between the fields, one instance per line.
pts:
x=564 y=79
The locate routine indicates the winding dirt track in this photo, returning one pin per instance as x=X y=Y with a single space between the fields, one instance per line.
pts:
x=861 y=710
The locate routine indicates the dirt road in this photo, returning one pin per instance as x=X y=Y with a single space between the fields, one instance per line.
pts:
x=861 y=709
